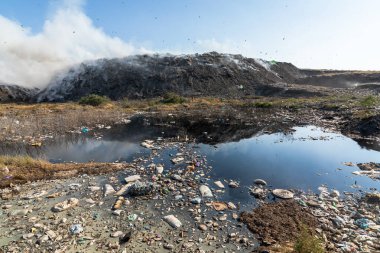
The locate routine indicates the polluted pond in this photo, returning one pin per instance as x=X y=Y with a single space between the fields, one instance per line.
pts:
x=181 y=193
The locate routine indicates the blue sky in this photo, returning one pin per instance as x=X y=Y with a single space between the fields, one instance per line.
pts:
x=340 y=34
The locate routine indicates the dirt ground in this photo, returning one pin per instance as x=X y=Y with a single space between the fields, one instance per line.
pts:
x=19 y=170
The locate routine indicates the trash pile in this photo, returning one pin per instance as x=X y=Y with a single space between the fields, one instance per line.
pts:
x=348 y=223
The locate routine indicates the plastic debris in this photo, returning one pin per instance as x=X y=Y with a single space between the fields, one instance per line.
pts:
x=132 y=217
x=362 y=223
x=76 y=229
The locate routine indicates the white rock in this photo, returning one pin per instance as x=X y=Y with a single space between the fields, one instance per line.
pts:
x=178 y=160
x=260 y=182
x=19 y=212
x=35 y=195
x=117 y=212
x=334 y=193
x=176 y=177
x=108 y=189
x=205 y=191
x=145 y=144
x=219 y=184
x=124 y=189
x=51 y=234
x=62 y=206
x=94 y=188
x=283 y=194
x=159 y=169
x=90 y=201
x=117 y=234
x=231 y=205
x=172 y=221
x=132 y=178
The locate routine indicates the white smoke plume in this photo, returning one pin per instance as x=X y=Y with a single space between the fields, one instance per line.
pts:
x=68 y=37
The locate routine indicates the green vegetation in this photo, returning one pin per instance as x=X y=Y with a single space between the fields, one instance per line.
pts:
x=263 y=104
x=369 y=101
x=173 y=98
x=94 y=100
x=307 y=243
x=331 y=107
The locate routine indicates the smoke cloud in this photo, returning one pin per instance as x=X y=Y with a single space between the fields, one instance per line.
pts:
x=68 y=37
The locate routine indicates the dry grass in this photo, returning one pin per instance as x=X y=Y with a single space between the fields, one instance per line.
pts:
x=21 y=169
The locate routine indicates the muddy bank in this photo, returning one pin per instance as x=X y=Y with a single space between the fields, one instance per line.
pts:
x=20 y=170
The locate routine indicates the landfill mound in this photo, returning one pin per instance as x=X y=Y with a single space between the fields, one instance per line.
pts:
x=145 y=76
x=208 y=74
x=14 y=93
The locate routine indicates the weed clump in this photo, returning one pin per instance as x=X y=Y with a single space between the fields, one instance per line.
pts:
x=94 y=100
x=263 y=104
x=369 y=101
x=307 y=243
x=173 y=98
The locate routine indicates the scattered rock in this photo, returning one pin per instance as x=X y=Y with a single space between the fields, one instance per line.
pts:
x=260 y=182
x=117 y=234
x=202 y=227
x=172 y=221
x=177 y=160
x=219 y=184
x=76 y=229
x=159 y=169
x=108 y=190
x=233 y=184
x=196 y=200
x=283 y=194
x=117 y=212
x=132 y=178
x=205 y=191
x=219 y=206
x=177 y=177
x=141 y=188
x=231 y=205
x=62 y=206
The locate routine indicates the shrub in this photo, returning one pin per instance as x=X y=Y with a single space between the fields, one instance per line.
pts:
x=94 y=100
x=369 y=101
x=173 y=98
x=263 y=104
x=307 y=243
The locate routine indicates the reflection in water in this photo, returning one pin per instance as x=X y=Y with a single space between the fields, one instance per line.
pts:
x=121 y=143
x=304 y=158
